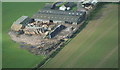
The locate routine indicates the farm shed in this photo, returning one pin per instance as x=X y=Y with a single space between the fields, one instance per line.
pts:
x=70 y=4
x=56 y=31
x=60 y=16
x=62 y=8
x=19 y=23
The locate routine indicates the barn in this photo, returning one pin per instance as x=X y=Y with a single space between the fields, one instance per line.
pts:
x=73 y=17
x=19 y=23
x=56 y=31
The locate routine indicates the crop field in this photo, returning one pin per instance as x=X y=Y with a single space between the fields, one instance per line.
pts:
x=96 y=46
x=13 y=56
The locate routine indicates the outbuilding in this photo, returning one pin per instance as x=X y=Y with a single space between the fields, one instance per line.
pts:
x=20 y=23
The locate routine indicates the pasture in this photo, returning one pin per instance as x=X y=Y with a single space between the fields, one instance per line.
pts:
x=13 y=56
x=0 y=35
x=96 y=46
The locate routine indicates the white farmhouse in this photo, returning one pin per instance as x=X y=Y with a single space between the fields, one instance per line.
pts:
x=62 y=8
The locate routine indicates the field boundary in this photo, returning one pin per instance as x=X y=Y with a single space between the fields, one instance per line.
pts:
x=90 y=16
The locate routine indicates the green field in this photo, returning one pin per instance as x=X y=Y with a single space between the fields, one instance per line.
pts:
x=13 y=56
x=96 y=46
x=0 y=35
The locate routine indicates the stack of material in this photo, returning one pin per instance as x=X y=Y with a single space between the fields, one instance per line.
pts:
x=16 y=27
x=20 y=23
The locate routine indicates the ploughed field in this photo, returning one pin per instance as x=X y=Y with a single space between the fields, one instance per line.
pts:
x=96 y=46
x=13 y=56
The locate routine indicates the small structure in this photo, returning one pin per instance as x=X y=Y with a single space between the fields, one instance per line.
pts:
x=20 y=23
x=62 y=8
x=70 y=4
x=67 y=6
x=92 y=2
x=56 y=31
x=80 y=7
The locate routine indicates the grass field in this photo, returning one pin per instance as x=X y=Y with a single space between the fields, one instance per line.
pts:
x=13 y=56
x=0 y=35
x=96 y=46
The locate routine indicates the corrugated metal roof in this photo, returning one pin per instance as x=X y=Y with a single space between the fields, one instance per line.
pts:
x=70 y=4
x=58 y=15
x=59 y=12
x=56 y=31
x=21 y=19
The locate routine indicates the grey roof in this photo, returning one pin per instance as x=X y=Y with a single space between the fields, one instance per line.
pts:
x=21 y=19
x=59 y=12
x=58 y=15
x=56 y=30
x=70 y=4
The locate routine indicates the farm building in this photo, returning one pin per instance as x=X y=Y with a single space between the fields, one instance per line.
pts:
x=62 y=8
x=70 y=4
x=80 y=7
x=20 y=23
x=56 y=30
x=67 y=6
x=57 y=16
x=93 y=2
